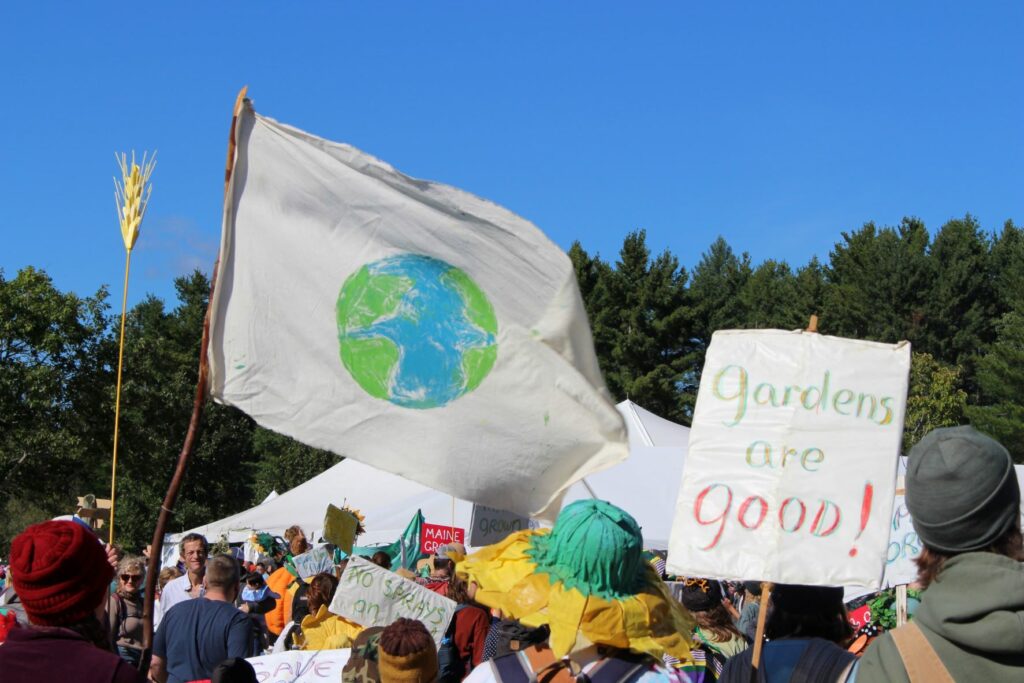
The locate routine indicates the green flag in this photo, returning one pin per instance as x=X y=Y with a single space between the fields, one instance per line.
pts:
x=404 y=552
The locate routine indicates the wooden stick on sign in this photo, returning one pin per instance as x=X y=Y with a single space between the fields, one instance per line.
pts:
x=167 y=508
x=901 y=604
x=762 y=616
x=766 y=587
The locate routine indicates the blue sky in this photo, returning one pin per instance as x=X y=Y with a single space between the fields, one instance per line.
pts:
x=776 y=125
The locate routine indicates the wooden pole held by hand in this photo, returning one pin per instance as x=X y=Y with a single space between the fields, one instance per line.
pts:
x=762 y=615
x=167 y=509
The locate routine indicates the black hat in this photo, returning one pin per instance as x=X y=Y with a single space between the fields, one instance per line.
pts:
x=701 y=595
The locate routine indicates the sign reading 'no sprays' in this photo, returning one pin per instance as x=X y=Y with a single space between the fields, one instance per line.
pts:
x=791 y=470
x=372 y=596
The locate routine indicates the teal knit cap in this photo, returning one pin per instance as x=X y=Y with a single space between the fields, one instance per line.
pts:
x=595 y=548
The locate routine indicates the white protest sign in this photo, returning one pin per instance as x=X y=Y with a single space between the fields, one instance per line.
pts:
x=904 y=547
x=300 y=666
x=791 y=470
x=312 y=562
x=372 y=596
x=490 y=525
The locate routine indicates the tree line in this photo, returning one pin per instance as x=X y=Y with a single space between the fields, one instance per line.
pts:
x=958 y=297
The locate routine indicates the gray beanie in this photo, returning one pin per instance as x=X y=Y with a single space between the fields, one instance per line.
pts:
x=962 y=491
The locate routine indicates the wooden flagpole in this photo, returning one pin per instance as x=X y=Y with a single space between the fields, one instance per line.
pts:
x=766 y=586
x=167 y=509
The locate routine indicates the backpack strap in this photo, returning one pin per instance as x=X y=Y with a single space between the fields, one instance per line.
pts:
x=450 y=631
x=919 y=657
x=615 y=670
x=513 y=668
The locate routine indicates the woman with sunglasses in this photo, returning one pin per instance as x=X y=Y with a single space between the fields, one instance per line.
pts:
x=125 y=609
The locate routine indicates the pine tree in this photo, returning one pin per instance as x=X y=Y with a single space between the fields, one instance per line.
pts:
x=878 y=283
x=1000 y=378
x=641 y=325
x=961 y=302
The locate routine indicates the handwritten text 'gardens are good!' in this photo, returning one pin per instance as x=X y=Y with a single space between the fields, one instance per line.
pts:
x=793 y=434
x=733 y=385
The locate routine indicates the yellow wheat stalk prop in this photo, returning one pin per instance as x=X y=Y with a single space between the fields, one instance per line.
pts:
x=131 y=197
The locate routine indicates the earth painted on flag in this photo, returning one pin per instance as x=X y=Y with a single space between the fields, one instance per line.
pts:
x=415 y=331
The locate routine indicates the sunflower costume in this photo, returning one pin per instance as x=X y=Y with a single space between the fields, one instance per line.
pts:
x=587 y=580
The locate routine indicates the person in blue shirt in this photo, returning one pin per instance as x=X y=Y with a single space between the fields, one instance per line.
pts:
x=196 y=635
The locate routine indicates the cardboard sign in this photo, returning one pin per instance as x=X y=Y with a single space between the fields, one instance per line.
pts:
x=312 y=562
x=434 y=535
x=340 y=528
x=791 y=470
x=372 y=596
x=490 y=525
x=300 y=666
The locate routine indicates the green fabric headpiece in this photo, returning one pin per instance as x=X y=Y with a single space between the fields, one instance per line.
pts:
x=962 y=491
x=595 y=548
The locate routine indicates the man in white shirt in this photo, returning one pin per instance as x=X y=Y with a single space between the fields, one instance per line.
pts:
x=194 y=550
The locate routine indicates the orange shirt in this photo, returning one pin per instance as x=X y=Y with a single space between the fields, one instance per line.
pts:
x=278 y=583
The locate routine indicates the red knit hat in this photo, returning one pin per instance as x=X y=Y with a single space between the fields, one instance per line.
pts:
x=61 y=573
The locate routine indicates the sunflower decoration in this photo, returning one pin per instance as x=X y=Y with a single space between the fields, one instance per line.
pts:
x=360 y=518
x=587 y=580
x=265 y=544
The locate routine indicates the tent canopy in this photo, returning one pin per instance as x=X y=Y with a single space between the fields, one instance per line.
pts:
x=645 y=485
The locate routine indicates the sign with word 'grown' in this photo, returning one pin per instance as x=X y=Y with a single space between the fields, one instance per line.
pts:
x=372 y=596
x=791 y=470
x=490 y=525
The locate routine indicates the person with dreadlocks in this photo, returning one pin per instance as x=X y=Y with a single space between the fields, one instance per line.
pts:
x=611 y=617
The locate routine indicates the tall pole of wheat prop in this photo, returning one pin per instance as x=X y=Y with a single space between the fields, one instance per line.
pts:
x=131 y=196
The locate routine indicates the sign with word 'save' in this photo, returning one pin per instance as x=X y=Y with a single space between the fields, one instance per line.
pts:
x=308 y=666
x=372 y=596
x=791 y=470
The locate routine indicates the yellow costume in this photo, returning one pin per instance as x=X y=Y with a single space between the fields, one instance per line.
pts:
x=586 y=580
x=326 y=631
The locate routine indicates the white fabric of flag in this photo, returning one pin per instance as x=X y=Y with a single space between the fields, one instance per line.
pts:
x=406 y=324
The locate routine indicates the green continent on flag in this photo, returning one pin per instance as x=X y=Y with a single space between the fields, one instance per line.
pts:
x=415 y=331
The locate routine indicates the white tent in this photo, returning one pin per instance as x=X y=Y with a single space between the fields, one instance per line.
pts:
x=645 y=485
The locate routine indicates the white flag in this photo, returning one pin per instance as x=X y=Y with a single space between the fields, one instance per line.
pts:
x=405 y=324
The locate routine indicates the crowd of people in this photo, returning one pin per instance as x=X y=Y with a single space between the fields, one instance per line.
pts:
x=582 y=602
